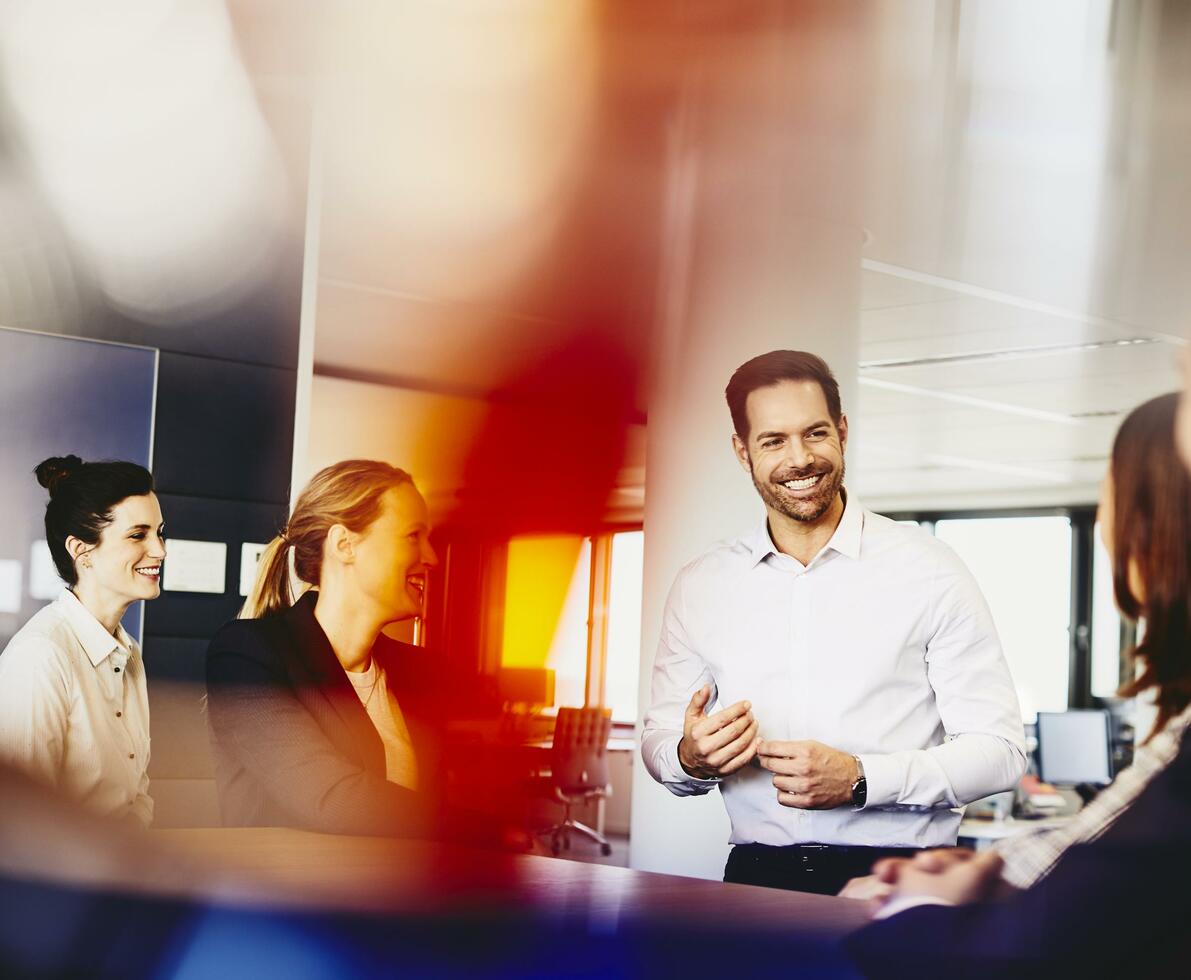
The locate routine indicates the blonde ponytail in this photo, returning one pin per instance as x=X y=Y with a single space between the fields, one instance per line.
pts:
x=271 y=590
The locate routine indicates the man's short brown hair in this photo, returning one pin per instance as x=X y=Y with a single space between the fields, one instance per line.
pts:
x=773 y=368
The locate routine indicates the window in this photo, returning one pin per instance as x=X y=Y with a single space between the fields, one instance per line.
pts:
x=550 y=609
x=1048 y=578
x=545 y=616
x=1106 y=626
x=1023 y=567
x=623 y=656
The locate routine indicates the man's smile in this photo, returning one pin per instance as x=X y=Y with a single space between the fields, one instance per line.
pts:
x=807 y=483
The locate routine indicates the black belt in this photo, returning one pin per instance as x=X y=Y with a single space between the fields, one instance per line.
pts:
x=854 y=858
x=805 y=867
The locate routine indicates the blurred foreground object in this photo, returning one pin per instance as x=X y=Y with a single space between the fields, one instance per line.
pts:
x=143 y=135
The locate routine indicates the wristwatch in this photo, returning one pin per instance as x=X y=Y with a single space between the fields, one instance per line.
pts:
x=860 y=787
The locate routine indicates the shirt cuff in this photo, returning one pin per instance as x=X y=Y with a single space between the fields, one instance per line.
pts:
x=882 y=778
x=680 y=775
x=904 y=902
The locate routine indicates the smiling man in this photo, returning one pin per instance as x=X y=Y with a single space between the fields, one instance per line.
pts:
x=859 y=690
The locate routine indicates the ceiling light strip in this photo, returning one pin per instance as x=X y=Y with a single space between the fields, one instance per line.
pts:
x=967 y=289
x=972 y=402
x=1006 y=353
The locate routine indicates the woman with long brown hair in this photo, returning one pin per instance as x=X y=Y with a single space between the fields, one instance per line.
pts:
x=316 y=718
x=1104 y=905
x=1145 y=524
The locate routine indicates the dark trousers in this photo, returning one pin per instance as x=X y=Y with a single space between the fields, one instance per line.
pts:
x=819 y=868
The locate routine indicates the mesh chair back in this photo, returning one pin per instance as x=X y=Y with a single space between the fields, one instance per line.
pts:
x=580 y=758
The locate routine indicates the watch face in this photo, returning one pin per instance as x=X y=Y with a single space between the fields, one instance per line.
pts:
x=859 y=791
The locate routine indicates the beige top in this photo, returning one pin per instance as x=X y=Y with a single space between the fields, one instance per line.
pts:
x=401 y=765
x=74 y=710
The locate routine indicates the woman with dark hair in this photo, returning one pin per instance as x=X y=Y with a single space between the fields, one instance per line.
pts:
x=317 y=720
x=74 y=712
x=1145 y=523
x=1145 y=519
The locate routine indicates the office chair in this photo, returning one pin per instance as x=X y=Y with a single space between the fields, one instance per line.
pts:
x=579 y=771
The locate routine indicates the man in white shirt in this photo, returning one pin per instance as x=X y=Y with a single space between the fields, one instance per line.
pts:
x=863 y=695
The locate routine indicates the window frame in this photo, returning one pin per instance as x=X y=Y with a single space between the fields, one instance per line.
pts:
x=599 y=595
x=1083 y=524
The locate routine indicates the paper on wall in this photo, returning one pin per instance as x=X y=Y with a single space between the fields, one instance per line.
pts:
x=10 y=585
x=250 y=556
x=43 y=576
x=195 y=566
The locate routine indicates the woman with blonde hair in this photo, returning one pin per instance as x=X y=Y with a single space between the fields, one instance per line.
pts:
x=317 y=720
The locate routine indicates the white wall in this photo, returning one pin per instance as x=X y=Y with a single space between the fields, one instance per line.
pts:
x=424 y=433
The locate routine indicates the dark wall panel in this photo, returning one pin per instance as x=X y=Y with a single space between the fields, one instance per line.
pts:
x=233 y=522
x=224 y=429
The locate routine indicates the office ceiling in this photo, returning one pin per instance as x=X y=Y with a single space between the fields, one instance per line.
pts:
x=1026 y=206
x=977 y=400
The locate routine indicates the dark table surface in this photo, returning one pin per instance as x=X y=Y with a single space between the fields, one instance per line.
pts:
x=294 y=867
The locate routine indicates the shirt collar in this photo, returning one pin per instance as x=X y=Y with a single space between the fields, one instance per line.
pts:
x=845 y=540
x=95 y=640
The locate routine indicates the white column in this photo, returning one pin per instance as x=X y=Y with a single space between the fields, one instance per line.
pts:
x=763 y=252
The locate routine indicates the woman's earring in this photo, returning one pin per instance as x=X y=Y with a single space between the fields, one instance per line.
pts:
x=85 y=561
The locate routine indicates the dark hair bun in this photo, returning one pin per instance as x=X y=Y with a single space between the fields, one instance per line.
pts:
x=51 y=472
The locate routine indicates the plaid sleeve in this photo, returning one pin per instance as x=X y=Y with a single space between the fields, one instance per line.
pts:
x=1031 y=855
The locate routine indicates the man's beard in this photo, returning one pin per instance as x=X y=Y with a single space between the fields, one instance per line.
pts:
x=804 y=509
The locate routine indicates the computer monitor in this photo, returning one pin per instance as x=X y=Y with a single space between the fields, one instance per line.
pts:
x=1075 y=747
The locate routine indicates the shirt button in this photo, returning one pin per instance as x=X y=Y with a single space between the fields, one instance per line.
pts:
x=132 y=755
x=119 y=714
x=117 y=670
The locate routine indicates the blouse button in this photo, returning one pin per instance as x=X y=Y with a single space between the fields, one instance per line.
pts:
x=132 y=755
x=119 y=714
x=117 y=670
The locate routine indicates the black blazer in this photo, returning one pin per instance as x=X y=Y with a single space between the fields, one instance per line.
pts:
x=294 y=747
x=1114 y=907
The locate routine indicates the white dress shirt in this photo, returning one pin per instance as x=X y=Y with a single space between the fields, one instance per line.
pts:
x=882 y=646
x=74 y=710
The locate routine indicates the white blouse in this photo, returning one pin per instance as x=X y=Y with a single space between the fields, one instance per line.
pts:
x=401 y=764
x=74 y=710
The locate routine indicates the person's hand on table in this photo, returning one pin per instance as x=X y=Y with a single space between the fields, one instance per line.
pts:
x=933 y=861
x=809 y=775
x=875 y=888
x=956 y=879
x=868 y=889
x=719 y=744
